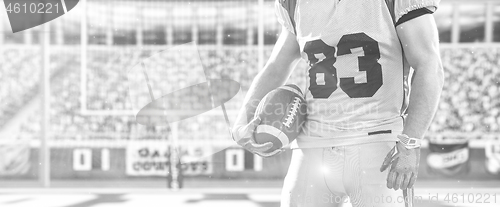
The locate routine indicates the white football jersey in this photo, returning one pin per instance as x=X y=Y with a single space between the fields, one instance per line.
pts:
x=357 y=79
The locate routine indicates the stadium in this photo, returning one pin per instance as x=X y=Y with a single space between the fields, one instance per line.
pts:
x=68 y=106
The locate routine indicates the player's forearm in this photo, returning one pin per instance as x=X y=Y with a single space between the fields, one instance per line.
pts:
x=424 y=98
x=283 y=59
x=267 y=80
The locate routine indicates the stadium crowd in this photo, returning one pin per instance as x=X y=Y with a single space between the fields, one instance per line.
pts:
x=19 y=75
x=20 y=72
x=470 y=100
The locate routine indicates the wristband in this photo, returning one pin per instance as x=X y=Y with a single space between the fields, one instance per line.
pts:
x=409 y=143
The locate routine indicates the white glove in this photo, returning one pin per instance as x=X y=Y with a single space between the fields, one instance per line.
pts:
x=244 y=136
x=404 y=166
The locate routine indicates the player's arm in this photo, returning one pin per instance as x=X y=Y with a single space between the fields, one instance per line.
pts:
x=278 y=68
x=420 y=41
x=419 y=38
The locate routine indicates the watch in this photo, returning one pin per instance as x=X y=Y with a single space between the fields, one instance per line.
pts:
x=409 y=143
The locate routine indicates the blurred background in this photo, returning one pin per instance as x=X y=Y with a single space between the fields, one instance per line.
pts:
x=68 y=134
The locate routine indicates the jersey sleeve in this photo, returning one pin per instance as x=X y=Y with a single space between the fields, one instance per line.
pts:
x=283 y=16
x=403 y=7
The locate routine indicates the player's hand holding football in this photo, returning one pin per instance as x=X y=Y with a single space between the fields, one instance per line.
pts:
x=403 y=160
x=244 y=136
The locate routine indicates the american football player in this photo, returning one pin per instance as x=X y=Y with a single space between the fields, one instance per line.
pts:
x=361 y=139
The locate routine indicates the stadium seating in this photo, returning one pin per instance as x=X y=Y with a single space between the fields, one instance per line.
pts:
x=19 y=75
x=470 y=100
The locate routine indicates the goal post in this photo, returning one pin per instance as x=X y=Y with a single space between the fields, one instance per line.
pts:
x=43 y=150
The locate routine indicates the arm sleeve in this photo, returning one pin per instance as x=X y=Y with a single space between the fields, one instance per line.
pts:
x=404 y=7
x=282 y=16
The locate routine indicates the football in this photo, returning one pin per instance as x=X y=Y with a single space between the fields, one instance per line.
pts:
x=282 y=112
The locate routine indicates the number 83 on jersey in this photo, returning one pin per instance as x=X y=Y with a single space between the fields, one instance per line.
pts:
x=323 y=74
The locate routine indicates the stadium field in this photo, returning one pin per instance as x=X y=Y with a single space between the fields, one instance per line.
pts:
x=234 y=193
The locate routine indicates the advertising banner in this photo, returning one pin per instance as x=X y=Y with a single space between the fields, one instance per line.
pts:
x=492 y=152
x=148 y=159
x=196 y=160
x=154 y=159
x=448 y=158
